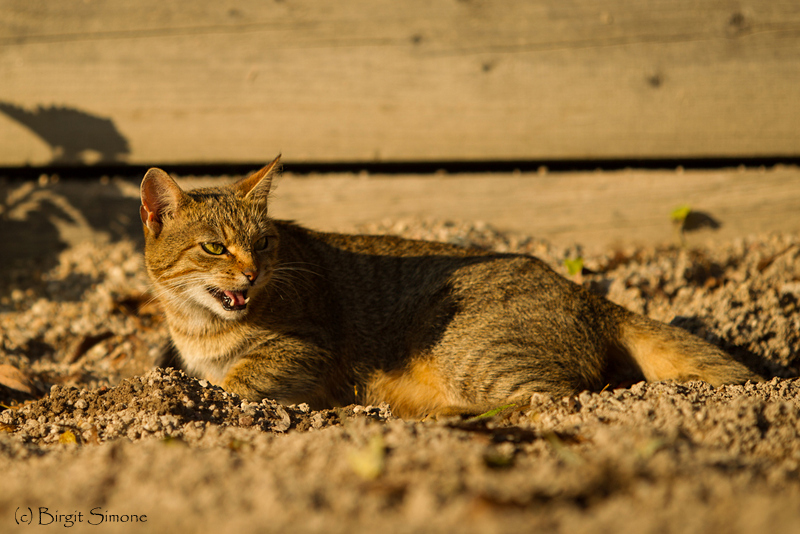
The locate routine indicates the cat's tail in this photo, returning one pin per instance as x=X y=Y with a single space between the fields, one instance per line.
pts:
x=663 y=352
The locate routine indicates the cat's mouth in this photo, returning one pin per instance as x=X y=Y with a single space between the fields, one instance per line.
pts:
x=230 y=300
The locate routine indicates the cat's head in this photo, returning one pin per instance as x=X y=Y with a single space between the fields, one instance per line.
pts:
x=211 y=248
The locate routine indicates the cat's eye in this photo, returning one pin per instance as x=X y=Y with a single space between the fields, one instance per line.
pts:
x=261 y=244
x=213 y=248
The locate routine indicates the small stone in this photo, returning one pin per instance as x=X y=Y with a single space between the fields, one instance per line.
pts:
x=246 y=420
x=285 y=421
x=571 y=403
x=317 y=421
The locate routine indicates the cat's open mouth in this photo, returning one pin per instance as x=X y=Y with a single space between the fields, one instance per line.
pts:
x=230 y=300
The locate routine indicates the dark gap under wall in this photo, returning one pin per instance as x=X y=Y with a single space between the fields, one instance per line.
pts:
x=390 y=168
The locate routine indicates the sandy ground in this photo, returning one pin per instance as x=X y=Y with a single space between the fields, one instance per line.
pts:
x=93 y=434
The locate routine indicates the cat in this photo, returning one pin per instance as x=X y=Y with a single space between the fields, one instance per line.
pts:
x=267 y=308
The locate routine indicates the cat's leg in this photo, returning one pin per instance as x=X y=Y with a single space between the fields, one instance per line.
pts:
x=287 y=370
x=415 y=390
x=449 y=384
x=501 y=361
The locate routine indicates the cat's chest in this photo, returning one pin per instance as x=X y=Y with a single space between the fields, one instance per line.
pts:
x=212 y=354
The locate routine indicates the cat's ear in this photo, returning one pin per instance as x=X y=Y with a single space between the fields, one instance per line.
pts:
x=160 y=197
x=257 y=185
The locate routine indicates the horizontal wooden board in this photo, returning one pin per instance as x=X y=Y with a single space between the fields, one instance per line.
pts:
x=144 y=81
x=597 y=210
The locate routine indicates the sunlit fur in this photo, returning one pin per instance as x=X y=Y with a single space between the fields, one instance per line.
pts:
x=431 y=328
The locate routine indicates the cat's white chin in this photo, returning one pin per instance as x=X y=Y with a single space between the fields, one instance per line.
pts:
x=232 y=315
x=225 y=313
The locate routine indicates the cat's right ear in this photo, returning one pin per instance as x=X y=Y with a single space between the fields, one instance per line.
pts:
x=160 y=197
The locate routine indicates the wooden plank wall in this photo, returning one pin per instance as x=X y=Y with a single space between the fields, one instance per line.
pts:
x=152 y=81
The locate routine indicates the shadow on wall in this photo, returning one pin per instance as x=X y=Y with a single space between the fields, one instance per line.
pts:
x=698 y=220
x=74 y=136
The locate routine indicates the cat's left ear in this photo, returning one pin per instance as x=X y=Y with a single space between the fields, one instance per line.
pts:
x=257 y=185
x=160 y=198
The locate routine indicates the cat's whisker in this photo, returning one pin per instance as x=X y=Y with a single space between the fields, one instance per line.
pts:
x=290 y=264
x=279 y=290
x=287 y=284
x=293 y=282
x=280 y=283
x=169 y=287
x=293 y=273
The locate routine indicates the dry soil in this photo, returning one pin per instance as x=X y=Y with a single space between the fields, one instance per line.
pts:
x=95 y=435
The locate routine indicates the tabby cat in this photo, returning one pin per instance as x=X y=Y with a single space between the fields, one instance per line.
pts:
x=266 y=308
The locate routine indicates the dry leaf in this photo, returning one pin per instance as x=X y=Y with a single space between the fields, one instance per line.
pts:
x=13 y=378
x=68 y=438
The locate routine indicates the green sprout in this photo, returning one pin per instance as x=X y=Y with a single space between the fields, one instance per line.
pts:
x=679 y=214
x=491 y=413
x=574 y=266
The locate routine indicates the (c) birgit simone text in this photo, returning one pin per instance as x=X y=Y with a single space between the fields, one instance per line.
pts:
x=96 y=516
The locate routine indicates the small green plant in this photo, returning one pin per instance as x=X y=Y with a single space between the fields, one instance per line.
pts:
x=491 y=413
x=574 y=266
x=679 y=216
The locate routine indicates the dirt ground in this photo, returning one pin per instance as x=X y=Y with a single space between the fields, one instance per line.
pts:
x=94 y=434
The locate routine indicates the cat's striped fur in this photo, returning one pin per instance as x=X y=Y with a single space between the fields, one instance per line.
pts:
x=269 y=309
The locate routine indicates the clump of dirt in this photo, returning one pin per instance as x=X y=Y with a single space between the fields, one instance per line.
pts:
x=162 y=403
x=655 y=457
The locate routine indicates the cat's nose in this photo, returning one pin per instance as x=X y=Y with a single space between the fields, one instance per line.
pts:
x=251 y=276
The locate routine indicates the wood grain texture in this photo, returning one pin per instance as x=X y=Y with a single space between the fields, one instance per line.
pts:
x=376 y=80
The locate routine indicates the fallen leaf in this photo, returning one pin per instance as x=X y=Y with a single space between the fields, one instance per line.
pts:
x=68 y=438
x=369 y=462
x=13 y=378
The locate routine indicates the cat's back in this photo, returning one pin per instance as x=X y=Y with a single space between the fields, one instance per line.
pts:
x=385 y=261
x=384 y=274
x=376 y=246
